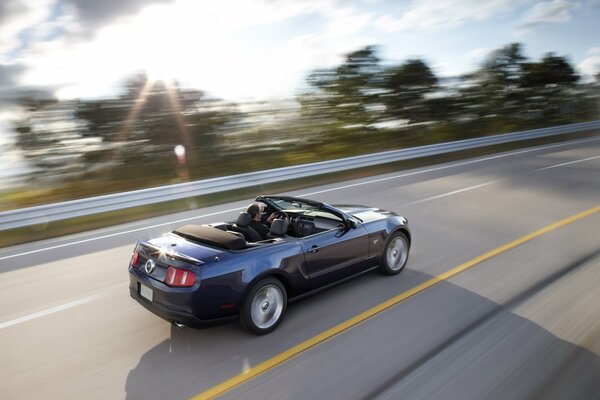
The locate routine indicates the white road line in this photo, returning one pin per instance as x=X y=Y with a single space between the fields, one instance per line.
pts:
x=305 y=195
x=58 y=246
x=568 y=163
x=439 y=196
x=452 y=166
x=49 y=311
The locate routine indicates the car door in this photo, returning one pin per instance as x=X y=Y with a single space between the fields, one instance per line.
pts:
x=335 y=254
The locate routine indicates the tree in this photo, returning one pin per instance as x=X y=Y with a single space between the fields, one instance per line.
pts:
x=151 y=118
x=115 y=138
x=345 y=95
x=504 y=66
x=548 y=85
x=498 y=82
x=406 y=87
x=550 y=71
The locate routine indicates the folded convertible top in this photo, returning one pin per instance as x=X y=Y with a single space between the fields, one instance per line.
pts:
x=211 y=236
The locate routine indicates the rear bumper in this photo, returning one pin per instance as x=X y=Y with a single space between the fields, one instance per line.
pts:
x=173 y=316
x=179 y=305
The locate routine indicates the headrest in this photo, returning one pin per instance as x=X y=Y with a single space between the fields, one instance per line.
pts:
x=279 y=227
x=243 y=220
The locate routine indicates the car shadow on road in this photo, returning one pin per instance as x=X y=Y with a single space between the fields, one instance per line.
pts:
x=446 y=340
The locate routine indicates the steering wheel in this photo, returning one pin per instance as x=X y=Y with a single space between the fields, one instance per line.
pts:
x=281 y=215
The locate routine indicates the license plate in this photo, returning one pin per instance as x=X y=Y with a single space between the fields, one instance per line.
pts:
x=145 y=292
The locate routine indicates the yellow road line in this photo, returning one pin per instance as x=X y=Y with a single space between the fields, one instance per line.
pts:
x=280 y=358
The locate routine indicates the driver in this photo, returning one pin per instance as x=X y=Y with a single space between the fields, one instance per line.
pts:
x=255 y=211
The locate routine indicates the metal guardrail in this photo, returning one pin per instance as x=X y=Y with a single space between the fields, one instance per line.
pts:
x=94 y=205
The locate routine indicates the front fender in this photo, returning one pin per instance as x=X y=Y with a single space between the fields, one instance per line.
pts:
x=380 y=231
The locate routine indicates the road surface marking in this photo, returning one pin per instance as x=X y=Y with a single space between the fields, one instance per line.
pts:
x=58 y=246
x=451 y=166
x=568 y=163
x=265 y=366
x=306 y=195
x=49 y=311
x=439 y=196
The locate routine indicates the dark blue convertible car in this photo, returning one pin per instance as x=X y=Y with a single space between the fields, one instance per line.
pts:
x=205 y=273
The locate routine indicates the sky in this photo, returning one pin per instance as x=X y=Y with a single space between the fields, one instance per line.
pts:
x=264 y=49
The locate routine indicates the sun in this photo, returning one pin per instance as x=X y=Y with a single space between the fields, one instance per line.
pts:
x=162 y=58
x=158 y=72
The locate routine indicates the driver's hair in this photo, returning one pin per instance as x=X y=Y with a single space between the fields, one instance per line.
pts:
x=253 y=209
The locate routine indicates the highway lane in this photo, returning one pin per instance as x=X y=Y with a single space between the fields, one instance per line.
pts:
x=109 y=347
x=516 y=327
x=107 y=238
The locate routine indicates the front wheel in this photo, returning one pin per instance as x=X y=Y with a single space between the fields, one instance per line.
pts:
x=395 y=254
x=264 y=306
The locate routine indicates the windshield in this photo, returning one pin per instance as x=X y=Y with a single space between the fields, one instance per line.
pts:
x=305 y=207
x=293 y=204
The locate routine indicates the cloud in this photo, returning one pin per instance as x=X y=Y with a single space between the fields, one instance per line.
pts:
x=201 y=44
x=16 y=18
x=435 y=14
x=9 y=75
x=9 y=9
x=12 y=92
x=546 y=13
x=462 y=63
x=84 y=48
x=590 y=66
x=94 y=14
x=25 y=22
x=593 y=51
x=347 y=21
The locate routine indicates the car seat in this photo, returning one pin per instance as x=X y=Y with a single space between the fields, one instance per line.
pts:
x=242 y=226
x=278 y=229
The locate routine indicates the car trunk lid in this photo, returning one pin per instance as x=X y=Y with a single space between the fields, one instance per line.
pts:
x=156 y=255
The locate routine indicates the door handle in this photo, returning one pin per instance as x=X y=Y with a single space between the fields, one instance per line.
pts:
x=313 y=249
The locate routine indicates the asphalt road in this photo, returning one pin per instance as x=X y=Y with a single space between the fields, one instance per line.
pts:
x=523 y=324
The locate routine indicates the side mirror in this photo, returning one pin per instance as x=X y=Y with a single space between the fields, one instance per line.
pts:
x=350 y=223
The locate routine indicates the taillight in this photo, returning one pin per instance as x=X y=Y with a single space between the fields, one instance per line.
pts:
x=135 y=258
x=179 y=277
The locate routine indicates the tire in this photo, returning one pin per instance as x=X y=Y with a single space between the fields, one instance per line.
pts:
x=264 y=306
x=395 y=254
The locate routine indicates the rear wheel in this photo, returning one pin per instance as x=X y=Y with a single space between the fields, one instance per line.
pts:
x=264 y=307
x=395 y=254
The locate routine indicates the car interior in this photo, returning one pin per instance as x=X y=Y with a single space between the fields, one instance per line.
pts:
x=296 y=222
x=291 y=219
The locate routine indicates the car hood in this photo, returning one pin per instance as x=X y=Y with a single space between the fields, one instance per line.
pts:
x=365 y=213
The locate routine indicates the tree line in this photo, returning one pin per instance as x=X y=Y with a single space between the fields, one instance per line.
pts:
x=507 y=87
x=87 y=147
